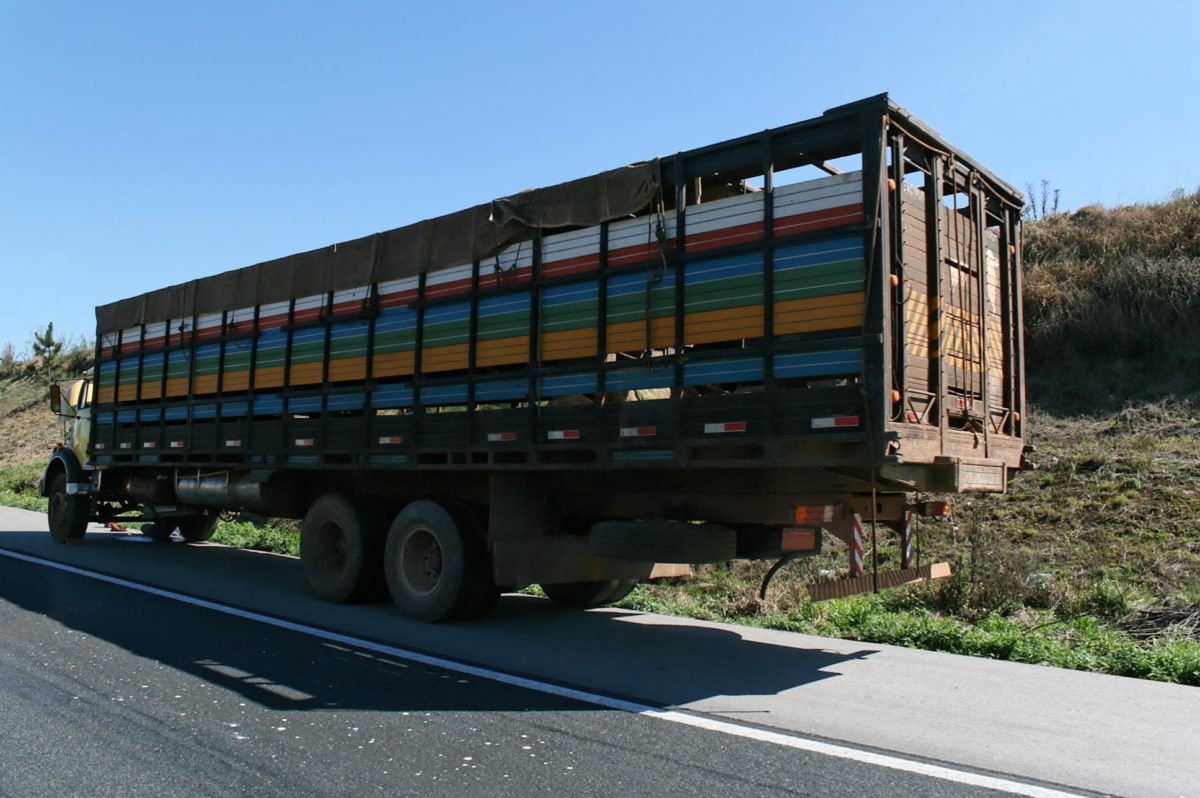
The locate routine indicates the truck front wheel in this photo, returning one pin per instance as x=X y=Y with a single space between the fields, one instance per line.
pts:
x=436 y=563
x=339 y=550
x=67 y=514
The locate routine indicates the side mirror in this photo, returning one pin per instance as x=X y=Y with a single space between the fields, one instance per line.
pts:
x=56 y=398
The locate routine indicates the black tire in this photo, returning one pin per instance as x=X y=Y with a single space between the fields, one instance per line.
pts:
x=663 y=541
x=340 y=548
x=159 y=531
x=66 y=514
x=589 y=594
x=436 y=563
x=198 y=528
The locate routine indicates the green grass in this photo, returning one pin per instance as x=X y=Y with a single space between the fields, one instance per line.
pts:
x=18 y=487
x=244 y=535
x=911 y=618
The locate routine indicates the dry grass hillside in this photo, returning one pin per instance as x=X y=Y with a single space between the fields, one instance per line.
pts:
x=28 y=429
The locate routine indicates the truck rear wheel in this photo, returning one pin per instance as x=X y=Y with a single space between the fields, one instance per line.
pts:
x=436 y=563
x=589 y=594
x=67 y=514
x=339 y=550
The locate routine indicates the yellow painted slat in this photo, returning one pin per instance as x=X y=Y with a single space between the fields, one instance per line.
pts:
x=502 y=351
x=347 y=368
x=269 y=377
x=727 y=324
x=305 y=374
x=205 y=384
x=236 y=381
x=631 y=335
x=568 y=344
x=819 y=313
x=393 y=364
x=444 y=358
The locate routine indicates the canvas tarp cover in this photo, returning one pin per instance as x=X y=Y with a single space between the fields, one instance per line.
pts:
x=457 y=238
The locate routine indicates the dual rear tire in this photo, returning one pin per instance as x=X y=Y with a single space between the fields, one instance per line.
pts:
x=434 y=557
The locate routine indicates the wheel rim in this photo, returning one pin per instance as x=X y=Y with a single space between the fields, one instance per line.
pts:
x=421 y=561
x=58 y=509
x=332 y=549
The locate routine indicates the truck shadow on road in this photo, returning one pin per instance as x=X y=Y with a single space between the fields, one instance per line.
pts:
x=647 y=659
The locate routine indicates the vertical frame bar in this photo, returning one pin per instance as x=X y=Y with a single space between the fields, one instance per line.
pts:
x=937 y=288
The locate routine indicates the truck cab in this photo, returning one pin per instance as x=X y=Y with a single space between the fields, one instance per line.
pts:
x=71 y=400
x=67 y=481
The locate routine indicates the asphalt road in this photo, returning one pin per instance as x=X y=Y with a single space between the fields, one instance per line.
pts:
x=110 y=689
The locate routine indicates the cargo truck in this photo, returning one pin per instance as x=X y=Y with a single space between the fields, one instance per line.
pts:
x=729 y=352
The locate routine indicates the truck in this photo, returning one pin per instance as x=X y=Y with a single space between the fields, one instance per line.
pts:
x=741 y=350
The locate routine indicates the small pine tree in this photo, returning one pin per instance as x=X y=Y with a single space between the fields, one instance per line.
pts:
x=48 y=348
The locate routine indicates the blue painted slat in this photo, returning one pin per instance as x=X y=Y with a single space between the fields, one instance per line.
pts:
x=746 y=369
x=567 y=384
x=304 y=404
x=204 y=411
x=398 y=395
x=345 y=401
x=500 y=390
x=233 y=409
x=818 y=364
x=270 y=404
x=444 y=395
x=639 y=377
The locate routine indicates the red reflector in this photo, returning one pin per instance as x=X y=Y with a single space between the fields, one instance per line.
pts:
x=501 y=437
x=815 y=513
x=638 y=432
x=563 y=435
x=726 y=426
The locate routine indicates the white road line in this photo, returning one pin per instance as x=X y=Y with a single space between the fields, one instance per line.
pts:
x=672 y=716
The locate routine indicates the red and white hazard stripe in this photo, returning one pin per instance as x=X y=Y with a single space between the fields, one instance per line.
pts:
x=126 y=445
x=638 y=432
x=304 y=441
x=233 y=443
x=390 y=440
x=563 y=435
x=725 y=426
x=501 y=437
x=149 y=444
x=908 y=536
x=856 y=555
x=835 y=422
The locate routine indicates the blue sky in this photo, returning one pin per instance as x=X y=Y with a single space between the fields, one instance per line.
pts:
x=145 y=144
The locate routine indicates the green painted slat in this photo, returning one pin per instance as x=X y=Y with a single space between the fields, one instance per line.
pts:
x=633 y=307
x=580 y=319
x=730 y=293
x=395 y=341
x=507 y=325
